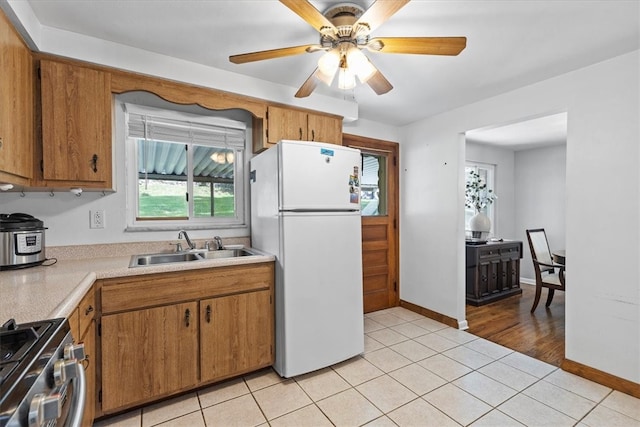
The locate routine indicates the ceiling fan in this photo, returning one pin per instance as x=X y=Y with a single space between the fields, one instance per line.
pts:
x=344 y=32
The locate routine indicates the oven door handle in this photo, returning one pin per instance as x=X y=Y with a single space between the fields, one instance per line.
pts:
x=78 y=398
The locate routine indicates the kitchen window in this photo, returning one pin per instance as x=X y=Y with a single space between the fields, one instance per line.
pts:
x=184 y=170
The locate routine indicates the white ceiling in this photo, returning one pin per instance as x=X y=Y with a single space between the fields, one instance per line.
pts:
x=509 y=43
x=541 y=131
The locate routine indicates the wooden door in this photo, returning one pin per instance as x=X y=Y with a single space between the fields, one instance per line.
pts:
x=324 y=129
x=236 y=334
x=16 y=105
x=148 y=354
x=379 y=194
x=284 y=123
x=76 y=123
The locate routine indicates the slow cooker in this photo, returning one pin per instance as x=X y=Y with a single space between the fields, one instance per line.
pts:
x=21 y=241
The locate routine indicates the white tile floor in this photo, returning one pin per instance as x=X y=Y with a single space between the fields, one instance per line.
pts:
x=414 y=372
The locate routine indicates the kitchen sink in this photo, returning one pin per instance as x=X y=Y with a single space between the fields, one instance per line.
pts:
x=168 y=258
x=225 y=253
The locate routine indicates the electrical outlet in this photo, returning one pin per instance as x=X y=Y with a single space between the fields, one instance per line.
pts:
x=96 y=219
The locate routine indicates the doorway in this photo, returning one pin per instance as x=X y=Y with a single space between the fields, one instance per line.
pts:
x=379 y=207
x=529 y=158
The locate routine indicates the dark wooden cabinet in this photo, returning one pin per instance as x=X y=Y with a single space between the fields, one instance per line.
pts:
x=493 y=271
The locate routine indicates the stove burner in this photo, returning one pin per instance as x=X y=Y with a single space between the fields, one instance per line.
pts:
x=15 y=343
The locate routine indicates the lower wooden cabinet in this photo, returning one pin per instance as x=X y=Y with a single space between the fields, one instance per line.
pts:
x=83 y=329
x=493 y=271
x=235 y=334
x=91 y=361
x=164 y=334
x=147 y=353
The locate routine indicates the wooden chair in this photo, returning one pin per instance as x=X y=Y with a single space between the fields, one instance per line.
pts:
x=545 y=268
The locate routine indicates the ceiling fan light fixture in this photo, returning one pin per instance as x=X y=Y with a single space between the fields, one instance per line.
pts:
x=360 y=64
x=346 y=79
x=327 y=66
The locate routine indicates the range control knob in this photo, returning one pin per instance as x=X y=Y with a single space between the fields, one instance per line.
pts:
x=74 y=351
x=43 y=409
x=64 y=370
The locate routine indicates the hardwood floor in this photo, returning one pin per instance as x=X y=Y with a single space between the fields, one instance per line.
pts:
x=508 y=322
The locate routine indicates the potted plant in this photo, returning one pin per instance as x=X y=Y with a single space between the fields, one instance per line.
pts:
x=478 y=197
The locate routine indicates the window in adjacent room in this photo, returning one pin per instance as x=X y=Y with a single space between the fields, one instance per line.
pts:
x=184 y=169
x=487 y=174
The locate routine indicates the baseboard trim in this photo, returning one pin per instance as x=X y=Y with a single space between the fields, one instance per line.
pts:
x=525 y=281
x=616 y=383
x=449 y=321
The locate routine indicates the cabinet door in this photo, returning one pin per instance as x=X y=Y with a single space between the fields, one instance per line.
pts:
x=16 y=106
x=324 y=129
x=236 y=334
x=284 y=123
x=89 y=340
x=148 y=354
x=76 y=124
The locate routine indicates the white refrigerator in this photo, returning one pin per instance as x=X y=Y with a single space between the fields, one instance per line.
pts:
x=305 y=209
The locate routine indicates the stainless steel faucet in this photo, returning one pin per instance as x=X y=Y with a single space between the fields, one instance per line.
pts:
x=218 y=242
x=184 y=234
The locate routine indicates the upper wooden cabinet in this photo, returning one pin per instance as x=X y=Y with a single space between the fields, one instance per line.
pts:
x=323 y=128
x=76 y=126
x=16 y=106
x=285 y=123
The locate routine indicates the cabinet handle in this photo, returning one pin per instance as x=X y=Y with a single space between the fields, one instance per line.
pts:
x=187 y=317
x=313 y=135
x=0 y=142
x=300 y=129
x=208 y=315
x=88 y=310
x=94 y=163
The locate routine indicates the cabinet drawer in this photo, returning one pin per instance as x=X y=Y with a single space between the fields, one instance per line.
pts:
x=86 y=311
x=511 y=252
x=160 y=289
x=488 y=253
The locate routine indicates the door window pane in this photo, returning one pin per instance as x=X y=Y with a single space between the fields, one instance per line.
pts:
x=373 y=185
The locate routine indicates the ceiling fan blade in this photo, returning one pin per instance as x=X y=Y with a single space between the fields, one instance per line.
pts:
x=306 y=11
x=270 y=54
x=378 y=13
x=418 y=45
x=308 y=86
x=379 y=83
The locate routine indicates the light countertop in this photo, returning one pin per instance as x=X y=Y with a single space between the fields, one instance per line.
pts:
x=45 y=292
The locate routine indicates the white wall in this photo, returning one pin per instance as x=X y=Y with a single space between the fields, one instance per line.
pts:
x=504 y=188
x=602 y=206
x=371 y=129
x=540 y=189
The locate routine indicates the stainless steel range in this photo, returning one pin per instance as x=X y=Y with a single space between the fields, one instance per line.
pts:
x=42 y=379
